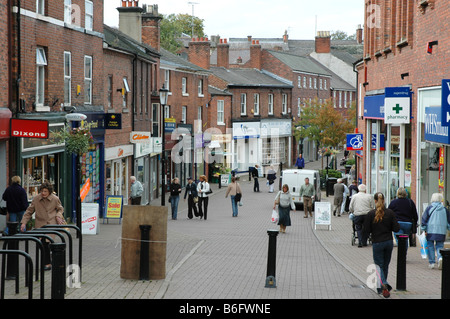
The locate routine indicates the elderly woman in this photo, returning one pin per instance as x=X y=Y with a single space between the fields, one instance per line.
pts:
x=285 y=204
x=405 y=212
x=435 y=223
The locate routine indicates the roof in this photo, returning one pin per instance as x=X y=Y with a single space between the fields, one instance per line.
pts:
x=249 y=78
x=177 y=62
x=300 y=63
x=119 y=40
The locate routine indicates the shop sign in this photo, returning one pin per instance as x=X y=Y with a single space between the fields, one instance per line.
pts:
x=113 y=121
x=29 y=128
x=374 y=107
x=157 y=144
x=243 y=130
x=355 y=142
x=434 y=131
x=140 y=137
x=374 y=142
x=89 y=218
x=5 y=116
x=441 y=168
x=169 y=124
x=445 y=103
x=113 y=207
x=397 y=105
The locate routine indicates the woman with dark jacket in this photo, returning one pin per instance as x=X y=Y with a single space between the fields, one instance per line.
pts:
x=406 y=213
x=192 y=195
x=16 y=200
x=381 y=222
x=175 y=190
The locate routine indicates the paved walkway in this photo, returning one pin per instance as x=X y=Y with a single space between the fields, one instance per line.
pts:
x=226 y=258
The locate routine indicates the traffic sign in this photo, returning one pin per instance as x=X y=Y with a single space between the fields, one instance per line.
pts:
x=445 y=105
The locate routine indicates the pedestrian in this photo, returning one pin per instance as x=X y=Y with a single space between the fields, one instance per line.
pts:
x=338 y=196
x=307 y=193
x=344 y=199
x=48 y=209
x=192 y=195
x=360 y=205
x=271 y=177
x=16 y=200
x=235 y=192
x=203 y=190
x=300 y=162
x=435 y=223
x=352 y=190
x=255 y=175
x=136 y=191
x=175 y=190
x=381 y=222
x=405 y=212
x=285 y=204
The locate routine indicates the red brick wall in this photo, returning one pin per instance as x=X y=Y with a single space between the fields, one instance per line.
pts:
x=199 y=52
x=4 y=57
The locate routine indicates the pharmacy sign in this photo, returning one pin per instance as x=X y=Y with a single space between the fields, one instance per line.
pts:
x=397 y=105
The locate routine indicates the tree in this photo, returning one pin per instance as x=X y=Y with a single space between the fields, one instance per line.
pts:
x=342 y=35
x=174 y=26
x=323 y=124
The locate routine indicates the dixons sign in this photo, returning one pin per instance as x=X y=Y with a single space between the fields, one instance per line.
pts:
x=29 y=128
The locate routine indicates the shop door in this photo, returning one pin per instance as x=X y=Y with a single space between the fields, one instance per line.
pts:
x=116 y=179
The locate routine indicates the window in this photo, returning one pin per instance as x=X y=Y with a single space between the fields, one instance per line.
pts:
x=340 y=99
x=325 y=84
x=40 y=6
x=183 y=114
x=200 y=88
x=67 y=77
x=299 y=107
x=167 y=79
x=199 y=113
x=87 y=79
x=68 y=11
x=89 y=15
x=243 y=104
x=256 y=104
x=284 y=103
x=315 y=83
x=345 y=99
x=221 y=112
x=184 y=86
x=110 y=91
x=310 y=83
x=334 y=99
x=125 y=95
x=41 y=63
x=299 y=81
x=320 y=84
x=270 y=104
x=166 y=111
x=304 y=82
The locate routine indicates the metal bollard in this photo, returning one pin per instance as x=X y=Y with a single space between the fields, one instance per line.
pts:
x=13 y=260
x=271 y=259
x=445 y=290
x=58 y=270
x=144 y=267
x=401 y=261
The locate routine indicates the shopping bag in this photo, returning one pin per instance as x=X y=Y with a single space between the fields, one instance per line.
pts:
x=274 y=216
x=423 y=245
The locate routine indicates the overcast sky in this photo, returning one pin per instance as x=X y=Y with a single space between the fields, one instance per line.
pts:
x=260 y=18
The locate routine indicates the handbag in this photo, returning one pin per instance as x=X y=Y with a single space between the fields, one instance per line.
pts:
x=237 y=197
x=195 y=199
x=170 y=199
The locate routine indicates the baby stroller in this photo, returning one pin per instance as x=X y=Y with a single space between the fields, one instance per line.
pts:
x=355 y=235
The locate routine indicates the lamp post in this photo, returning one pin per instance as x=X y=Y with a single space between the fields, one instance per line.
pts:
x=163 y=95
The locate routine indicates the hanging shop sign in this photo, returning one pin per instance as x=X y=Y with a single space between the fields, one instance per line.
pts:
x=140 y=137
x=445 y=116
x=113 y=121
x=397 y=105
x=441 y=168
x=355 y=142
x=29 y=128
x=434 y=131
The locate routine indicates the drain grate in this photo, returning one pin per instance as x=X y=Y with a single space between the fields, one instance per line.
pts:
x=357 y=286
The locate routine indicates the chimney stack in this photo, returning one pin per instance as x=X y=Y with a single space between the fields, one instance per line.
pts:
x=223 y=54
x=199 y=52
x=323 y=42
x=151 y=30
x=130 y=21
x=359 y=34
x=255 y=55
x=285 y=37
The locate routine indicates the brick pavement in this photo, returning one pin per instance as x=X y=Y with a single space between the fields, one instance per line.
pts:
x=226 y=258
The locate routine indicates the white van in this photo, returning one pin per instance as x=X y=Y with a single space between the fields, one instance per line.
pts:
x=295 y=178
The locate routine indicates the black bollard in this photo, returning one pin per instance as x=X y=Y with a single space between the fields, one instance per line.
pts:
x=13 y=259
x=401 y=261
x=271 y=259
x=445 y=290
x=58 y=270
x=144 y=267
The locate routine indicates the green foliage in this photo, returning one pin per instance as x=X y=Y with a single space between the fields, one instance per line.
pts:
x=174 y=26
x=77 y=140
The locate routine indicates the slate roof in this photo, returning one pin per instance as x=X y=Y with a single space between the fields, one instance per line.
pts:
x=175 y=61
x=300 y=63
x=249 y=78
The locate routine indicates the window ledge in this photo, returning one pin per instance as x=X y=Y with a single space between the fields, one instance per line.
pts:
x=42 y=108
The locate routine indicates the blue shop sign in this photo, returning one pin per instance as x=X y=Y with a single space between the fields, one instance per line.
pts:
x=374 y=107
x=434 y=131
x=445 y=116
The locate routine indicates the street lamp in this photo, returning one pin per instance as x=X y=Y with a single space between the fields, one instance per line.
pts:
x=163 y=95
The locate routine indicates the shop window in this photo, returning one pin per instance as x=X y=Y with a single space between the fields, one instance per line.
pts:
x=36 y=170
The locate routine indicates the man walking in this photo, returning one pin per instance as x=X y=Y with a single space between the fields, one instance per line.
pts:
x=300 y=163
x=136 y=191
x=339 y=190
x=307 y=192
x=360 y=205
x=255 y=178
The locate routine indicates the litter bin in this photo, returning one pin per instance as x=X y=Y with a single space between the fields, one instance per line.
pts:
x=330 y=185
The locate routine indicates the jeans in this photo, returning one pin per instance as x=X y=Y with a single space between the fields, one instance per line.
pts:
x=382 y=253
x=255 y=184
x=434 y=248
x=234 y=206
x=359 y=224
x=405 y=228
x=174 y=203
x=15 y=217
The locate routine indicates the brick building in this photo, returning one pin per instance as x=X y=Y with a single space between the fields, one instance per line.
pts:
x=405 y=51
x=58 y=74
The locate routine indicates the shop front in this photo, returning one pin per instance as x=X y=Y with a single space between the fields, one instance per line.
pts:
x=117 y=164
x=388 y=150
x=5 y=116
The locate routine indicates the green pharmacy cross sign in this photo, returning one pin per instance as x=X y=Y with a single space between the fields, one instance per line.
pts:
x=397 y=108
x=397 y=105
